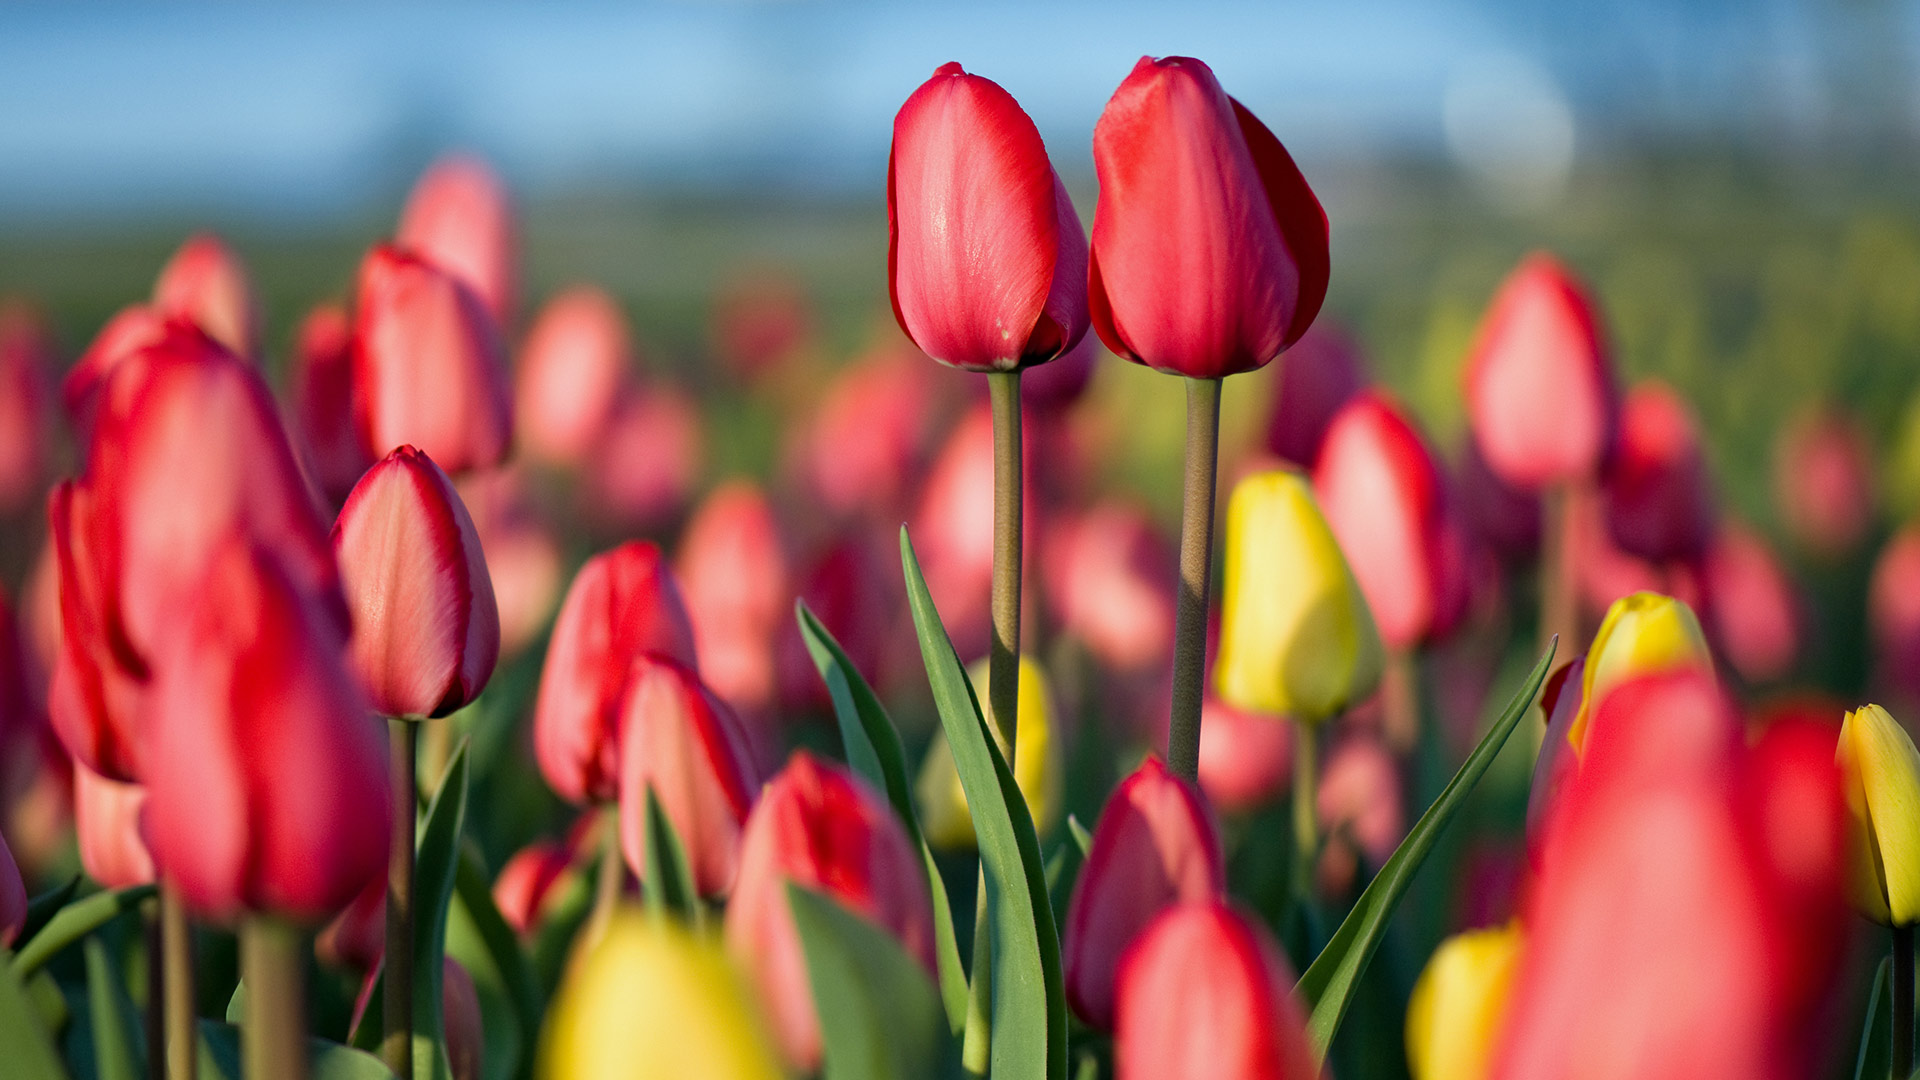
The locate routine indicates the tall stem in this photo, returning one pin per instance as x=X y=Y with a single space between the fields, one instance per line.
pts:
x=176 y=960
x=1400 y=700
x=1306 y=818
x=1557 y=614
x=1003 y=671
x=396 y=1042
x=1196 y=573
x=1902 y=1057
x=613 y=875
x=272 y=961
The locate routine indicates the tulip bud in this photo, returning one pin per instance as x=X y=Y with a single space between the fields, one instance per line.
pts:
x=1325 y=373
x=356 y=939
x=1038 y=767
x=986 y=260
x=428 y=365
x=106 y=819
x=1658 y=497
x=1823 y=481
x=26 y=397
x=1643 y=634
x=761 y=317
x=650 y=1000
x=1205 y=994
x=465 y=1030
x=534 y=876
x=644 y=472
x=1359 y=802
x=1539 y=381
x=953 y=527
x=131 y=330
x=1154 y=847
x=1296 y=636
x=1751 y=605
x=733 y=571
x=522 y=556
x=206 y=284
x=458 y=218
x=622 y=605
x=1880 y=774
x=818 y=826
x=1459 y=1001
x=1893 y=611
x=426 y=632
x=1106 y=575
x=868 y=438
x=321 y=386
x=683 y=743
x=571 y=369
x=1246 y=760
x=1209 y=249
x=1506 y=519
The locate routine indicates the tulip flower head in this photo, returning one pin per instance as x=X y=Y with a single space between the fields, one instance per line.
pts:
x=1038 y=766
x=1296 y=635
x=1643 y=634
x=205 y=283
x=532 y=879
x=1823 y=482
x=321 y=386
x=1453 y=1020
x=460 y=1010
x=106 y=821
x=1246 y=759
x=1209 y=249
x=132 y=329
x=1893 y=610
x=1880 y=775
x=571 y=369
x=1752 y=605
x=986 y=260
x=1326 y=372
x=1659 y=498
x=26 y=399
x=733 y=570
x=459 y=219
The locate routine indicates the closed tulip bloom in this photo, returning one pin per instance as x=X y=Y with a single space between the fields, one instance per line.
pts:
x=643 y=475
x=1154 y=847
x=429 y=367
x=1108 y=581
x=13 y=896
x=1893 y=611
x=760 y=318
x=1752 y=606
x=130 y=330
x=1540 y=387
x=1246 y=759
x=733 y=571
x=1823 y=482
x=1209 y=249
x=818 y=826
x=623 y=604
x=986 y=260
x=522 y=555
x=26 y=405
x=1560 y=701
x=1205 y=994
x=683 y=743
x=1296 y=636
x=1038 y=767
x=321 y=387
x=206 y=284
x=106 y=820
x=356 y=939
x=1358 y=798
x=1505 y=518
x=651 y=999
x=1643 y=634
x=426 y=632
x=869 y=437
x=1326 y=372
x=955 y=516
x=570 y=371
x=459 y=219
x=1458 y=1003
x=533 y=878
x=1659 y=499
x=1880 y=773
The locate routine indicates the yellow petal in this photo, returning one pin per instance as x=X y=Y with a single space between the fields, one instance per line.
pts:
x=1880 y=774
x=1458 y=1002
x=1037 y=764
x=1643 y=634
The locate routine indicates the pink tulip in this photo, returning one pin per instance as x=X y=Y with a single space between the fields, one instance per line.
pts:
x=986 y=260
x=533 y=878
x=206 y=284
x=848 y=590
x=132 y=329
x=356 y=939
x=867 y=441
x=1209 y=249
x=1554 y=766
x=1752 y=610
x=321 y=387
x=1108 y=580
x=522 y=555
x=1659 y=499
x=760 y=318
x=1246 y=760
x=643 y=474
x=1359 y=797
x=13 y=896
x=26 y=399
x=732 y=569
x=458 y=218
x=1325 y=372
x=1893 y=611
x=106 y=817
x=571 y=369
x=953 y=528
x=1823 y=481
x=1505 y=519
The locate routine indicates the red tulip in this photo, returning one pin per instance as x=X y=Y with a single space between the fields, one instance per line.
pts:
x=26 y=398
x=1108 y=581
x=1326 y=371
x=1539 y=384
x=426 y=632
x=732 y=569
x=106 y=818
x=1052 y=388
x=1205 y=994
x=1154 y=847
x=459 y=219
x=1752 y=611
x=848 y=590
x=13 y=897
x=760 y=318
x=1506 y=519
x=1209 y=249
x=428 y=365
x=643 y=474
x=1893 y=610
x=684 y=744
x=1659 y=500
x=1554 y=766
x=571 y=368
x=1387 y=504
x=267 y=775
x=321 y=388
x=818 y=826
x=535 y=876
x=1823 y=481
x=1359 y=797
x=1246 y=760
x=206 y=284
x=522 y=556
x=864 y=445
x=129 y=331
x=953 y=528
x=465 y=1028
x=623 y=604
x=356 y=939
x=986 y=260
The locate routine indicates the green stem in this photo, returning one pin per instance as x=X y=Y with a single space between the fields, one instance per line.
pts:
x=1196 y=573
x=1306 y=825
x=1003 y=671
x=176 y=960
x=272 y=961
x=978 y=1041
x=396 y=1042
x=1902 y=1056
x=1400 y=700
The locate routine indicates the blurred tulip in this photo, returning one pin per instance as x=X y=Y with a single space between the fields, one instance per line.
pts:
x=426 y=632
x=26 y=399
x=1800 y=824
x=1560 y=701
x=986 y=259
x=1823 y=481
x=1659 y=499
x=1643 y=634
x=1052 y=388
x=848 y=590
x=535 y=876
x=1358 y=799
x=267 y=776
x=1296 y=636
x=818 y=826
x=643 y=473
x=206 y=284
x=1205 y=994
x=129 y=331
x=1039 y=767
x=759 y=319
x=732 y=568
x=465 y=1029
x=1453 y=1020
x=428 y=364
x=683 y=743
x=522 y=556
x=622 y=605
x=13 y=897
x=1505 y=518
x=651 y=999
x=865 y=443
x=1325 y=372
x=356 y=939
x=1881 y=778
x=952 y=528
x=458 y=218
x=106 y=818
x=1540 y=388
x=1209 y=249
x=1386 y=502
x=1155 y=846
x=1752 y=607
x=571 y=368
x=1246 y=759
x=1108 y=581
x=321 y=387
x=1893 y=611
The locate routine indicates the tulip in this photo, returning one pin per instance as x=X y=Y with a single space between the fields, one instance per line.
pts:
x=1881 y=778
x=1245 y=758
x=571 y=369
x=1038 y=762
x=1823 y=481
x=459 y=219
x=1643 y=634
x=1204 y=992
x=1659 y=499
x=868 y=438
x=1752 y=607
x=818 y=826
x=1453 y=1020
x=522 y=556
x=1359 y=805
x=651 y=999
x=1800 y=824
x=623 y=604
x=13 y=896
x=1296 y=635
x=131 y=330
x=1053 y=387
x=1893 y=611
x=1506 y=519
x=428 y=365
x=986 y=260
x=1155 y=847
x=1560 y=701
x=1106 y=581
x=26 y=422
x=321 y=386
x=206 y=284
x=106 y=819
x=848 y=588
x=953 y=529
x=733 y=571
x=425 y=628
x=644 y=472
x=356 y=939
x=683 y=744
x=1327 y=371
x=465 y=1029
x=533 y=878
x=760 y=318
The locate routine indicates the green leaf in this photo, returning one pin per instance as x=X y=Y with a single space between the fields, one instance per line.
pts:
x=44 y=907
x=502 y=946
x=326 y=1060
x=880 y=1017
x=75 y=921
x=237 y=1004
x=117 y=1042
x=1876 y=1035
x=1081 y=838
x=1330 y=982
x=1029 y=1021
x=669 y=888
x=874 y=751
x=28 y=1046
x=436 y=856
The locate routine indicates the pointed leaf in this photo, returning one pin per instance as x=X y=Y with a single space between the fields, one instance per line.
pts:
x=1082 y=839
x=117 y=1041
x=669 y=886
x=436 y=855
x=41 y=909
x=237 y=1004
x=75 y=921
x=880 y=1017
x=1875 y=1059
x=28 y=1046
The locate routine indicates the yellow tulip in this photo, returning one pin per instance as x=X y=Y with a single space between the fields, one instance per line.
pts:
x=1458 y=1003
x=1296 y=636
x=1643 y=634
x=1037 y=766
x=652 y=999
x=1880 y=771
